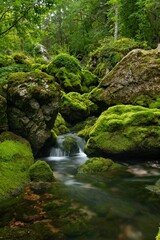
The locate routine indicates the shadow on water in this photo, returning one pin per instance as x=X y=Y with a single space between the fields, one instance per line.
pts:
x=116 y=203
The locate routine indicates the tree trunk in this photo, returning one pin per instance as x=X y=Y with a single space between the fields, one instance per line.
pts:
x=116 y=22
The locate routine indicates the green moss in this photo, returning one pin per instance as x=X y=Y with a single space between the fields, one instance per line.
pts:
x=126 y=128
x=60 y=126
x=40 y=171
x=84 y=128
x=110 y=52
x=6 y=60
x=70 y=145
x=98 y=165
x=76 y=107
x=64 y=60
x=15 y=158
x=158 y=236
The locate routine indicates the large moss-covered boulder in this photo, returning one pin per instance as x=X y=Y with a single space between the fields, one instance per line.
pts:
x=69 y=74
x=76 y=107
x=15 y=159
x=66 y=69
x=33 y=102
x=124 y=130
x=134 y=80
x=3 y=114
x=98 y=165
x=40 y=171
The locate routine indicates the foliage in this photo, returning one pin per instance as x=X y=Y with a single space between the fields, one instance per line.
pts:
x=110 y=52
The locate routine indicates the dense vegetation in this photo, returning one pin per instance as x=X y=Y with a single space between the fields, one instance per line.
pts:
x=76 y=26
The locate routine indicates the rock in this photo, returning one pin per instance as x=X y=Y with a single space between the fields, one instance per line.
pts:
x=3 y=114
x=98 y=165
x=154 y=188
x=15 y=159
x=68 y=73
x=33 y=102
x=40 y=171
x=125 y=130
x=134 y=80
x=60 y=126
x=66 y=70
x=76 y=107
x=70 y=145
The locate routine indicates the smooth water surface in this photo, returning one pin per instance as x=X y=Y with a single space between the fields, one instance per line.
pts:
x=117 y=204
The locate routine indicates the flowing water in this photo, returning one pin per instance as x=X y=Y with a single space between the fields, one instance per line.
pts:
x=117 y=204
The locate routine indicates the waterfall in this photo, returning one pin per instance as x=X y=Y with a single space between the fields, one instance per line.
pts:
x=67 y=145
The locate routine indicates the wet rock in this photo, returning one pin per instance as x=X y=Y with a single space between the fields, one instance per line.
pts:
x=40 y=171
x=33 y=102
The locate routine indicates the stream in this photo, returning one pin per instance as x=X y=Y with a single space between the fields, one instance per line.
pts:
x=118 y=205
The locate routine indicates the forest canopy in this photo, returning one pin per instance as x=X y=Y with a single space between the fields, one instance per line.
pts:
x=76 y=26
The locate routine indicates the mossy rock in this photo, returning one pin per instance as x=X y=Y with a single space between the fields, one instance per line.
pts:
x=70 y=145
x=88 y=81
x=3 y=114
x=158 y=236
x=76 y=107
x=134 y=80
x=33 y=103
x=125 y=129
x=15 y=159
x=60 y=125
x=84 y=128
x=70 y=63
x=98 y=165
x=109 y=53
x=154 y=188
x=40 y=171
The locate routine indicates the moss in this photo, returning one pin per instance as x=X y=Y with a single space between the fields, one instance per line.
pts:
x=69 y=81
x=88 y=80
x=158 y=236
x=76 y=107
x=40 y=171
x=6 y=60
x=70 y=145
x=64 y=60
x=109 y=53
x=60 y=126
x=84 y=128
x=15 y=158
x=98 y=165
x=126 y=129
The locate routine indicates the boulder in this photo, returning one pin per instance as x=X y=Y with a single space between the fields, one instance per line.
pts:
x=15 y=159
x=134 y=80
x=158 y=236
x=40 y=171
x=98 y=165
x=76 y=107
x=33 y=102
x=125 y=130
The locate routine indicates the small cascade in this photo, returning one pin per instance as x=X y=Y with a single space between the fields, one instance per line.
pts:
x=67 y=145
